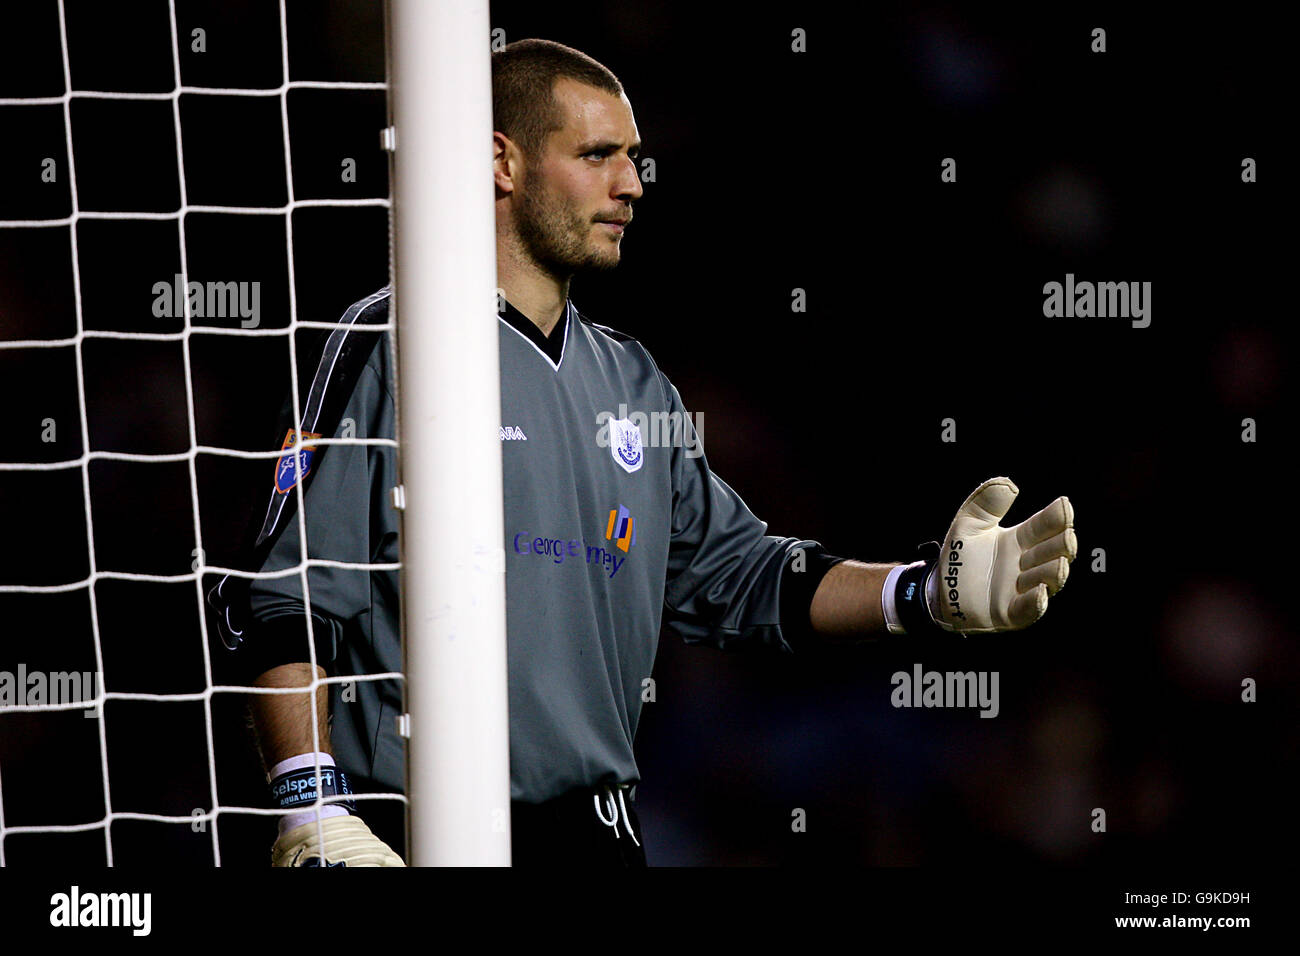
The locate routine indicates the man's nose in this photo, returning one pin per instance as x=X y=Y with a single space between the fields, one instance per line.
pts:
x=628 y=184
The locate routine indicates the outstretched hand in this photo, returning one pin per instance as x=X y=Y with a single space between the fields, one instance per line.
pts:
x=989 y=578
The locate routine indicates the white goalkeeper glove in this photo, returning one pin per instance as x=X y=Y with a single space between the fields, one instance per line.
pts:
x=989 y=578
x=348 y=842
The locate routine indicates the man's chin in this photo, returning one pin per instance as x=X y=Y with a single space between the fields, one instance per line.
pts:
x=600 y=262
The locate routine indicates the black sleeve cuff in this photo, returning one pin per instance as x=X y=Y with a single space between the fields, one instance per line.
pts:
x=797 y=591
x=273 y=642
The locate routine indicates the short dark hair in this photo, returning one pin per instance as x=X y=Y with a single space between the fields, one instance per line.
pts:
x=523 y=89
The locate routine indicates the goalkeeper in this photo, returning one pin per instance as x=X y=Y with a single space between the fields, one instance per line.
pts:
x=607 y=535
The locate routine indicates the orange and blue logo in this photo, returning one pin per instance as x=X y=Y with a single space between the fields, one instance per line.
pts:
x=621 y=529
x=286 y=476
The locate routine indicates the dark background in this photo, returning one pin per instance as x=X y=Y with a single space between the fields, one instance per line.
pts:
x=775 y=170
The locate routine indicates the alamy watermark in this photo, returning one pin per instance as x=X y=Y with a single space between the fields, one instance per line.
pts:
x=923 y=688
x=133 y=911
x=209 y=300
x=656 y=429
x=1098 y=300
x=37 y=688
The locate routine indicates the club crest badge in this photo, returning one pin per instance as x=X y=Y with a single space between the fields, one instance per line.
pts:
x=286 y=476
x=625 y=444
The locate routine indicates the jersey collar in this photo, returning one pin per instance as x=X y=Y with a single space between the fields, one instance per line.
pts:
x=551 y=347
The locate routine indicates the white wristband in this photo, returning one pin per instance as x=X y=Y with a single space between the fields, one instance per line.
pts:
x=302 y=762
x=887 y=594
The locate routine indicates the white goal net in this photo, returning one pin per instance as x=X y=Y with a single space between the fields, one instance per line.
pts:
x=192 y=196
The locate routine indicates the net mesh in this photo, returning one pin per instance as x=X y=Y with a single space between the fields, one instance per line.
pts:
x=206 y=820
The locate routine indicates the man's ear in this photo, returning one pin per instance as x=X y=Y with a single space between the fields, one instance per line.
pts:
x=506 y=164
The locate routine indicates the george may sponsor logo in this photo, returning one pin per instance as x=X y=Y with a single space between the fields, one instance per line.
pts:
x=946 y=689
x=620 y=531
x=74 y=909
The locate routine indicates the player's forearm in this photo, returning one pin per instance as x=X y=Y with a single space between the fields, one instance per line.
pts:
x=284 y=721
x=847 y=604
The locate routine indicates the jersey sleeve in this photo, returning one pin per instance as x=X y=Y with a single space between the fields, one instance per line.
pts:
x=724 y=570
x=347 y=518
x=337 y=508
x=259 y=623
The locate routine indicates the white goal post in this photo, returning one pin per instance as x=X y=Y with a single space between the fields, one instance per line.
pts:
x=453 y=585
x=443 y=331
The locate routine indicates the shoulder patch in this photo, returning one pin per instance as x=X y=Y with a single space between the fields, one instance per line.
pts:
x=286 y=475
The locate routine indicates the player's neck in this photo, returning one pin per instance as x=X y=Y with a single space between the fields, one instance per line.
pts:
x=532 y=290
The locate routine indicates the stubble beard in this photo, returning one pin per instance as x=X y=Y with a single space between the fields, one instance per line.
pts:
x=557 y=237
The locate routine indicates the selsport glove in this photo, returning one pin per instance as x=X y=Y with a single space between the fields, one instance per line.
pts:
x=348 y=842
x=989 y=578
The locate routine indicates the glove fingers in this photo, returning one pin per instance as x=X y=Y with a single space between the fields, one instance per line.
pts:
x=1049 y=522
x=1064 y=545
x=1052 y=573
x=1027 y=608
x=987 y=504
x=347 y=840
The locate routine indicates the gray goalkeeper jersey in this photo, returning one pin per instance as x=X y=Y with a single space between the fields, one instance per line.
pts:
x=613 y=524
